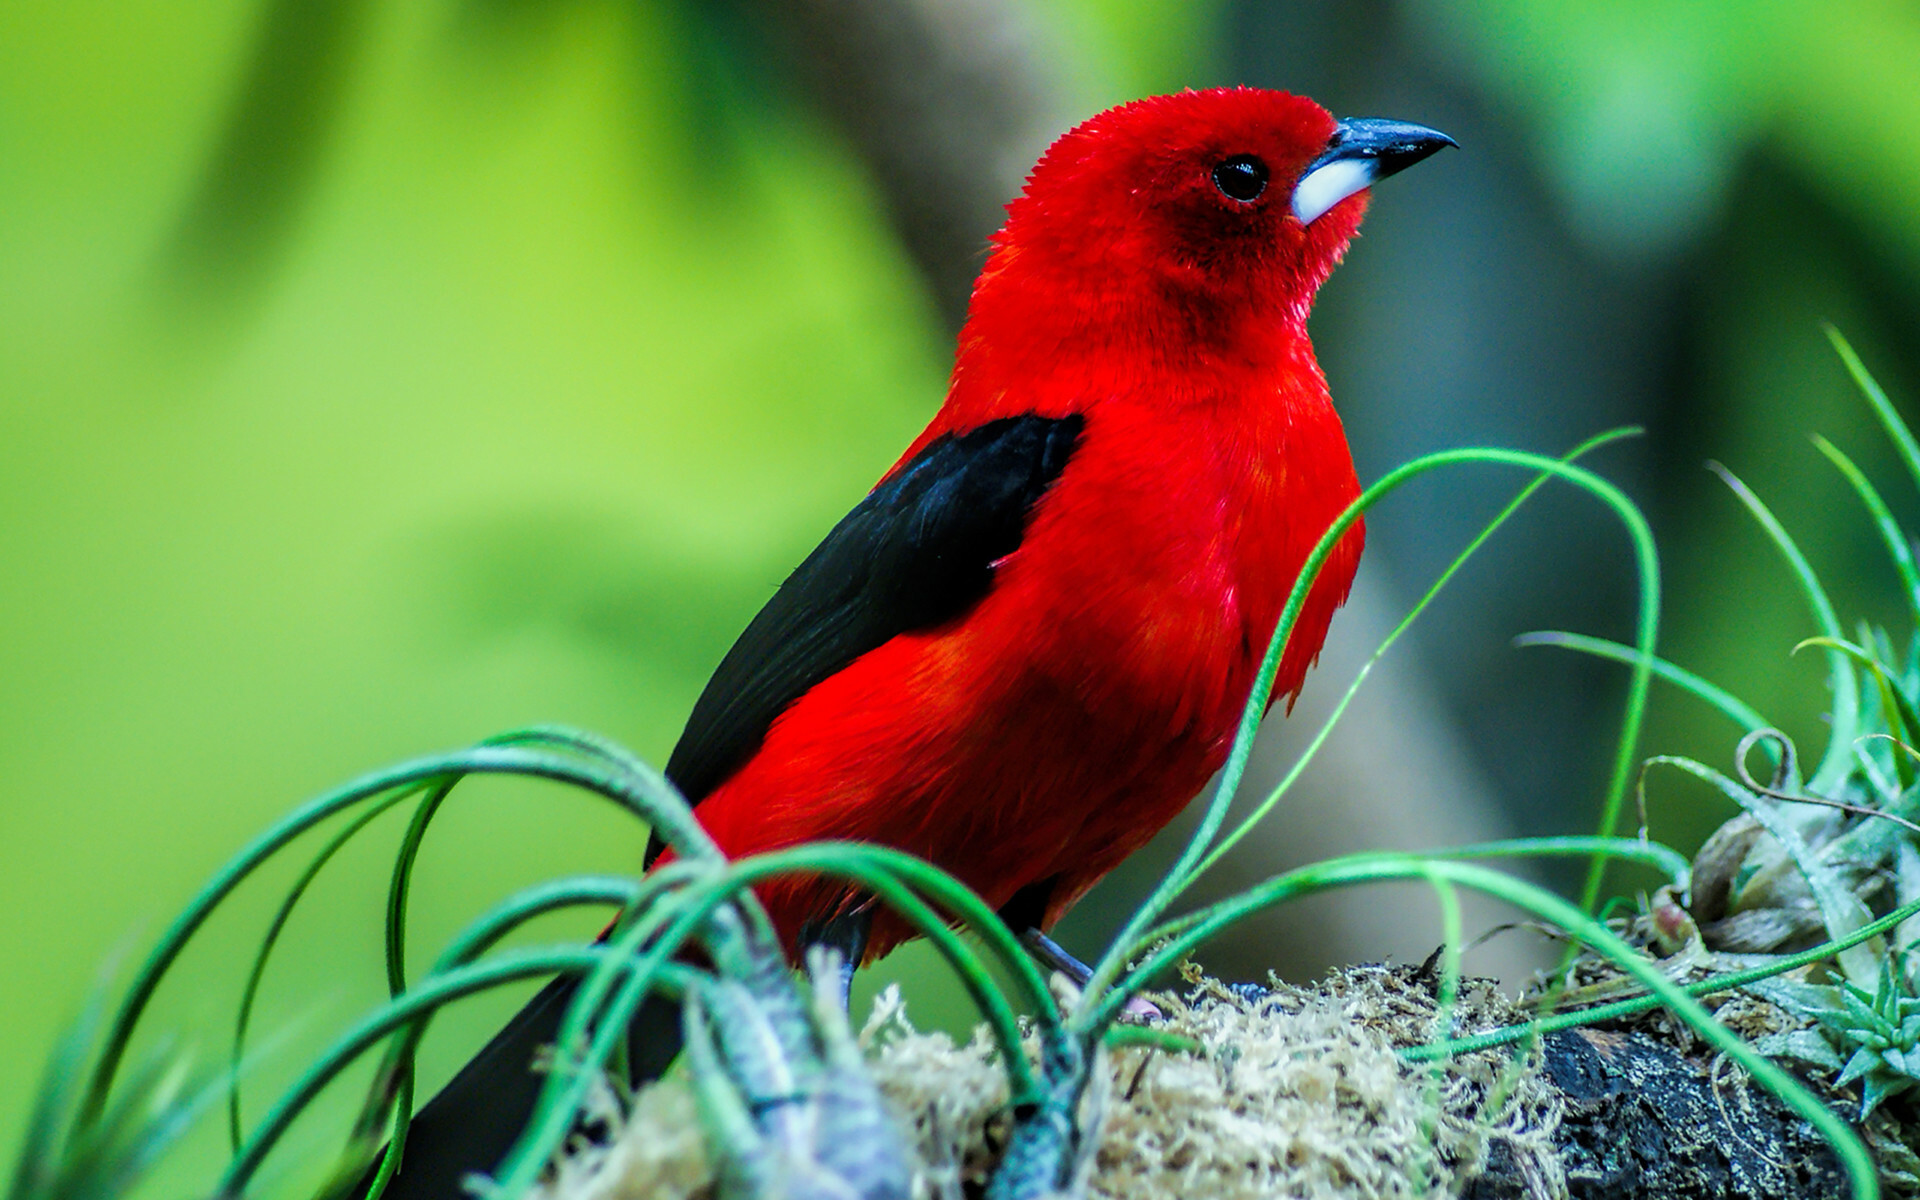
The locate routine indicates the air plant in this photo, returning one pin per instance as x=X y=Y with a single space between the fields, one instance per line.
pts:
x=1830 y=862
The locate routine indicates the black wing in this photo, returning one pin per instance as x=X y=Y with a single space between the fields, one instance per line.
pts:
x=919 y=551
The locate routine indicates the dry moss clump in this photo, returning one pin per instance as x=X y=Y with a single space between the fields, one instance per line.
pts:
x=1297 y=1092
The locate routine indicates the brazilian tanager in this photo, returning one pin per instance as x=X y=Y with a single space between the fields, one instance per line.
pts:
x=1028 y=647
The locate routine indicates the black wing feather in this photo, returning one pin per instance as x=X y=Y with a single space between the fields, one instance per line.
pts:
x=918 y=551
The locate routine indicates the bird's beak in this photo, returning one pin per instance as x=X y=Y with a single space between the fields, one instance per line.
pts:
x=1364 y=150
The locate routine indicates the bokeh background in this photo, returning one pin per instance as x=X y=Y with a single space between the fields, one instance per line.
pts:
x=379 y=374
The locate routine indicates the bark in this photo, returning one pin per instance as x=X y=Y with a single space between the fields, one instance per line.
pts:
x=1644 y=1122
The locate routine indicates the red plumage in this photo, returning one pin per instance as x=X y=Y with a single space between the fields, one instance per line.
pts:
x=1029 y=646
x=1058 y=724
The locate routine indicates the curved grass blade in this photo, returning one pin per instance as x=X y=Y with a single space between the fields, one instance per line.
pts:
x=258 y=971
x=1306 y=756
x=644 y=793
x=424 y=1000
x=1897 y=431
x=579 y=741
x=38 y=1165
x=884 y=873
x=1899 y=551
x=1834 y=764
x=1712 y=985
x=1663 y=858
x=60 y=1158
x=392 y=1087
x=1113 y=962
x=400 y=883
x=399 y=1063
x=1723 y=701
x=1892 y=701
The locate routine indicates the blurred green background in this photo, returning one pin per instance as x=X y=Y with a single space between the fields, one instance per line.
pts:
x=376 y=376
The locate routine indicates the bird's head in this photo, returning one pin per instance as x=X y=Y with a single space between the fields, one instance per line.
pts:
x=1220 y=207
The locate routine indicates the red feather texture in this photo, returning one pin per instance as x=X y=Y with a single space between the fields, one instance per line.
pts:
x=1054 y=728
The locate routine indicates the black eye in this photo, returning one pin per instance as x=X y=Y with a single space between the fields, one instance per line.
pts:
x=1242 y=177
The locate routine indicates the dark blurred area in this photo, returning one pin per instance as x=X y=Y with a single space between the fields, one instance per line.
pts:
x=377 y=377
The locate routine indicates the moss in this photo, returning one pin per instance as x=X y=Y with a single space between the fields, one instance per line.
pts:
x=1296 y=1092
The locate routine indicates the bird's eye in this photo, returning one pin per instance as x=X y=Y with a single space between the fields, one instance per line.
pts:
x=1242 y=177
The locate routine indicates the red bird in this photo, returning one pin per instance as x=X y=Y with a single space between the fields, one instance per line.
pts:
x=1028 y=647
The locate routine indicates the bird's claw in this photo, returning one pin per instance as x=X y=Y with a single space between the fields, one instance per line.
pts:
x=1141 y=1011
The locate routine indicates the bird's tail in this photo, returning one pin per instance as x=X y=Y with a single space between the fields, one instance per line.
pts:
x=473 y=1121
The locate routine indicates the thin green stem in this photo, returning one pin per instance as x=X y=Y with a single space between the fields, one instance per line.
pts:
x=1897 y=431
x=1709 y=986
x=1834 y=764
x=422 y=1001
x=250 y=992
x=399 y=1064
x=1899 y=551
x=392 y=1082
x=1306 y=756
x=1729 y=705
x=872 y=868
x=1663 y=858
x=645 y=794
x=1113 y=962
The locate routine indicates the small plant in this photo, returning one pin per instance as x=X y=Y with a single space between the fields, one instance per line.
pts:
x=1812 y=890
x=64 y=1158
x=1883 y=1027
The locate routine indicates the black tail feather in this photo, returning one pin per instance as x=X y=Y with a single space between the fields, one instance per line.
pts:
x=473 y=1121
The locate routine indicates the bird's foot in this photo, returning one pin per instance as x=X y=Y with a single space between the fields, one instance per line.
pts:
x=846 y=935
x=1052 y=955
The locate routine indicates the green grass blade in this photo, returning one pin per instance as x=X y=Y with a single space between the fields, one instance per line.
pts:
x=1835 y=763
x=400 y=882
x=399 y=1064
x=1712 y=985
x=60 y=1158
x=145 y=1122
x=1899 y=709
x=1306 y=756
x=392 y=1086
x=248 y=994
x=1113 y=962
x=639 y=790
x=201 y=906
x=1121 y=1036
x=1899 y=712
x=1663 y=858
x=874 y=870
x=38 y=1163
x=422 y=1001
x=1897 y=431
x=1899 y=550
x=1721 y=700
x=891 y=876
